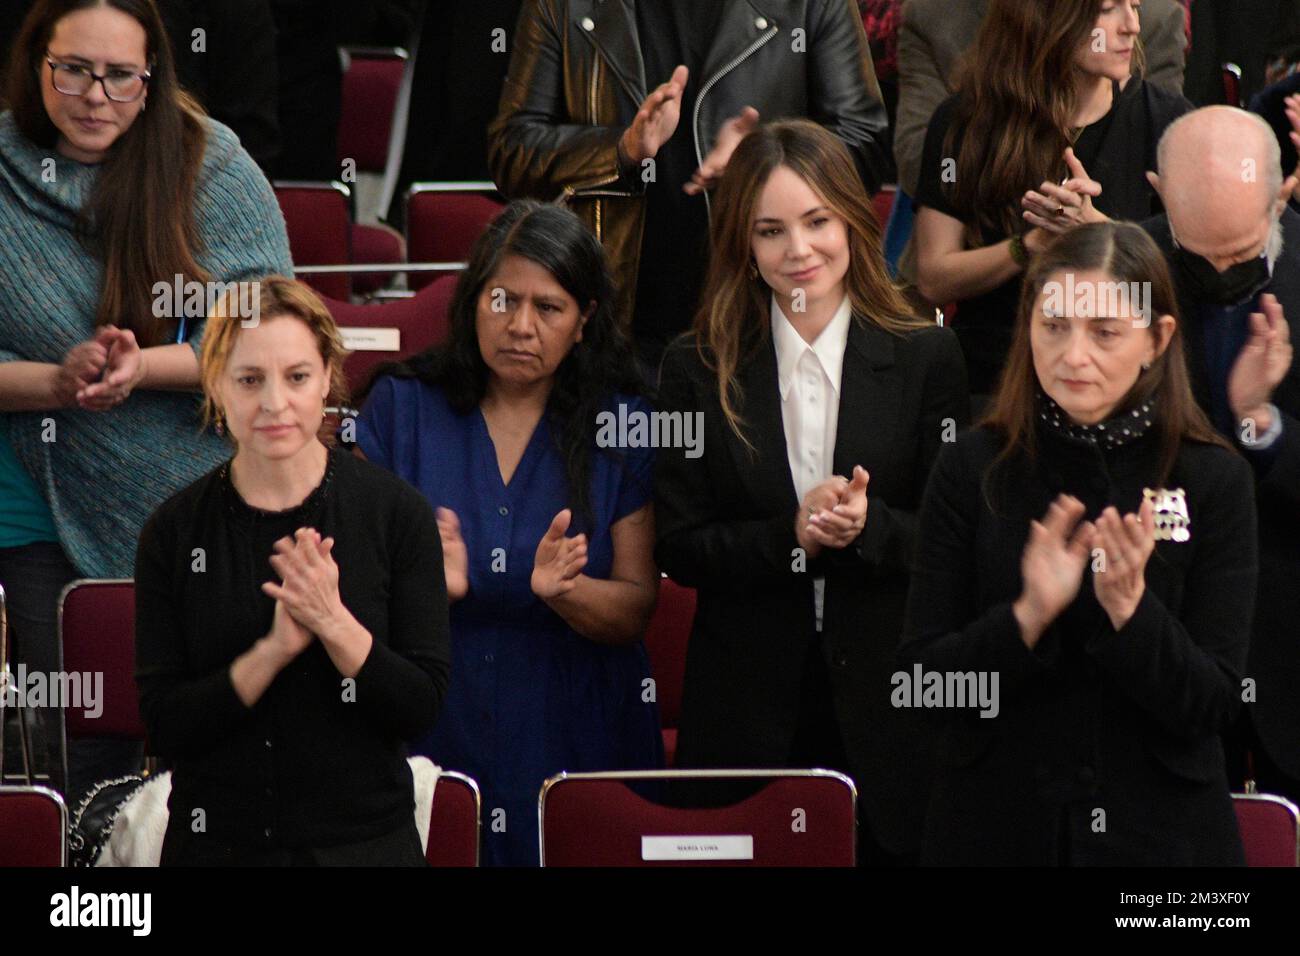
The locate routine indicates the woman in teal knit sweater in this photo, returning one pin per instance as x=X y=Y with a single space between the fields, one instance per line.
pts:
x=113 y=186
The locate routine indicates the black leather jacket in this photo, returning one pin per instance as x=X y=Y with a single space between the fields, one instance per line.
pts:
x=576 y=80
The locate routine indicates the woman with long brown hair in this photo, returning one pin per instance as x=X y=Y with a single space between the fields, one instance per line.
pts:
x=823 y=402
x=1050 y=94
x=1109 y=695
x=119 y=202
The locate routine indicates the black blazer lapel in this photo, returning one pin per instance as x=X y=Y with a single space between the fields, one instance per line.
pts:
x=766 y=473
x=869 y=398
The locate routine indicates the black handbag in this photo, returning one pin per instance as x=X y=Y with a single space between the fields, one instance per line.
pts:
x=92 y=821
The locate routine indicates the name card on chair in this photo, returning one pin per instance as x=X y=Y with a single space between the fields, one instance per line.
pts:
x=697 y=848
x=371 y=340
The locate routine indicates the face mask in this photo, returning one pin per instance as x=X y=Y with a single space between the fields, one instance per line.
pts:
x=1238 y=283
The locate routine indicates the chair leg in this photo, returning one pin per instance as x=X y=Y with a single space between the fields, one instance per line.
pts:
x=25 y=744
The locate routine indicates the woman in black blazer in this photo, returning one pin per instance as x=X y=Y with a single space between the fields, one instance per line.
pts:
x=1117 y=642
x=822 y=402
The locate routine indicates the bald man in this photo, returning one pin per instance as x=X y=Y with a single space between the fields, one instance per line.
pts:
x=1233 y=245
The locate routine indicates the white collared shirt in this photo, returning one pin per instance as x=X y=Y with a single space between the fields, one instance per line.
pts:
x=809 y=379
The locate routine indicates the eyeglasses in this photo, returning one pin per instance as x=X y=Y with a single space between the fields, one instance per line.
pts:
x=120 y=86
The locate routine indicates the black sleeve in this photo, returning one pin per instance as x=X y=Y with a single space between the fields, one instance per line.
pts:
x=843 y=94
x=535 y=148
x=693 y=545
x=1185 y=670
x=946 y=629
x=243 y=76
x=185 y=715
x=888 y=539
x=403 y=681
x=1278 y=467
x=930 y=191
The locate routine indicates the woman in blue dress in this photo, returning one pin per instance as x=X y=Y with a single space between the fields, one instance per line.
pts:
x=545 y=518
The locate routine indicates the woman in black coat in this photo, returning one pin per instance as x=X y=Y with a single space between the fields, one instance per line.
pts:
x=821 y=404
x=1114 y=644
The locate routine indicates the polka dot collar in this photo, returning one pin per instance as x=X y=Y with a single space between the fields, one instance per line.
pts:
x=1113 y=433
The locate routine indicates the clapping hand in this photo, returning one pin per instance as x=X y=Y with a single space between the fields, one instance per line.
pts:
x=656 y=120
x=123 y=369
x=833 y=514
x=1261 y=365
x=310 y=581
x=559 y=560
x=1127 y=543
x=1056 y=208
x=715 y=164
x=455 y=556
x=1051 y=566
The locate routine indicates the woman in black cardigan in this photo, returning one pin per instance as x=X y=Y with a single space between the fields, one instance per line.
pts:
x=1091 y=546
x=795 y=525
x=291 y=618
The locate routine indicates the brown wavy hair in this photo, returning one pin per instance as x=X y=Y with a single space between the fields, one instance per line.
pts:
x=139 y=219
x=1125 y=252
x=276 y=296
x=733 y=319
x=1016 y=96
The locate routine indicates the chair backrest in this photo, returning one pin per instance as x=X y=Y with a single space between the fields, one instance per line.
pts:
x=1270 y=829
x=97 y=637
x=419 y=322
x=444 y=219
x=372 y=81
x=665 y=642
x=454 y=821
x=798 y=818
x=33 y=827
x=1231 y=74
x=318 y=220
x=883 y=203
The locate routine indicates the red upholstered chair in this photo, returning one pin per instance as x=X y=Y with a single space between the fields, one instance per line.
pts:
x=454 y=821
x=665 y=642
x=595 y=819
x=379 y=244
x=883 y=203
x=97 y=636
x=372 y=133
x=33 y=827
x=318 y=219
x=420 y=321
x=444 y=219
x=1270 y=829
x=372 y=84
x=1231 y=74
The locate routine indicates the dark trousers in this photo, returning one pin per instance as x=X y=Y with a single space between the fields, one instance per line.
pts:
x=818 y=744
x=401 y=847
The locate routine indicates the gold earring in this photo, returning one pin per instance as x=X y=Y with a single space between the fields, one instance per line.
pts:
x=753 y=269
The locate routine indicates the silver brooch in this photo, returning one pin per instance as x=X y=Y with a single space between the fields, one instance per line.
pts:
x=1170 y=508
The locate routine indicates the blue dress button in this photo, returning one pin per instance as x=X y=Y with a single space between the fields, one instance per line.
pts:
x=503 y=511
